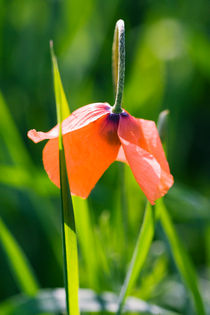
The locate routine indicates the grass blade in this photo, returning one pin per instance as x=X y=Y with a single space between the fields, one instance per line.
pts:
x=139 y=256
x=69 y=240
x=182 y=260
x=84 y=231
x=18 y=262
x=70 y=255
x=60 y=96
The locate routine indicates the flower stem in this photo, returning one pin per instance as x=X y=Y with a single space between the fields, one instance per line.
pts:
x=118 y=63
x=123 y=196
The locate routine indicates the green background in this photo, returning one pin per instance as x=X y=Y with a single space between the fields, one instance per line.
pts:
x=167 y=67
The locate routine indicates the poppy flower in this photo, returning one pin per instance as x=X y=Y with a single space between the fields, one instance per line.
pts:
x=94 y=137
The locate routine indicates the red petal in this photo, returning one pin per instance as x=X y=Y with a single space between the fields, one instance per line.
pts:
x=89 y=151
x=144 y=153
x=78 y=119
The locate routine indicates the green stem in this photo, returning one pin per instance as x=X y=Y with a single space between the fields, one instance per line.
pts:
x=115 y=68
x=143 y=244
x=118 y=61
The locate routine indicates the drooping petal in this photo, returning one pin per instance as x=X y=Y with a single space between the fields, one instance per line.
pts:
x=145 y=168
x=78 y=119
x=145 y=155
x=88 y=150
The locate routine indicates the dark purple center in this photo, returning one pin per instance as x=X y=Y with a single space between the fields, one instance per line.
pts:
x=115 y=117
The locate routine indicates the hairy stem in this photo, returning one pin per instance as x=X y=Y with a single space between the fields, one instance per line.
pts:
x=118 y=63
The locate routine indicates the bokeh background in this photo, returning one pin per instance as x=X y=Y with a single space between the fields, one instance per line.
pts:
x=167 y=67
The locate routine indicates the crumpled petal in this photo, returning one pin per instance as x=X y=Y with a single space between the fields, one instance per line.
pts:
x=88 y=150
x=144 y=153
x=78 y=119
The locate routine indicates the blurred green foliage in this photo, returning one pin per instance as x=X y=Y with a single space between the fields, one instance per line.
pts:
x=167 y=67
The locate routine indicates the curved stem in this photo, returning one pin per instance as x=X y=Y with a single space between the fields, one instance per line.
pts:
x=118 y=64
x=115 y=60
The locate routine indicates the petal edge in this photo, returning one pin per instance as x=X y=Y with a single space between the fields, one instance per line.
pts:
x=80 y=118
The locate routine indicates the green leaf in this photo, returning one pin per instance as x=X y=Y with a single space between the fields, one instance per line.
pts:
x=54 y=301
x=70 y=255
x=139 y=256
x=181 y=258
x=60 y=97
x=18 y=262
x=69 y=239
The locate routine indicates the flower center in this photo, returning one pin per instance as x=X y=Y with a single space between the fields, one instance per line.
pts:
x=109 y=128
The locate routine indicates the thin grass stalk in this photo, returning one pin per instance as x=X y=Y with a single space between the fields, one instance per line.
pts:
x=142 y=247
x=69 y=237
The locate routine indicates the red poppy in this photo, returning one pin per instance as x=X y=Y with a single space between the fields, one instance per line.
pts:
x=94 y=137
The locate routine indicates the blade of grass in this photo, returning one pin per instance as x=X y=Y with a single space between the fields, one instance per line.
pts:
x=60 y=96
x=18 y=262
x=70 y=255
x=69 y=239
x=85 y=233
x=182 y=260
x=139 y=256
